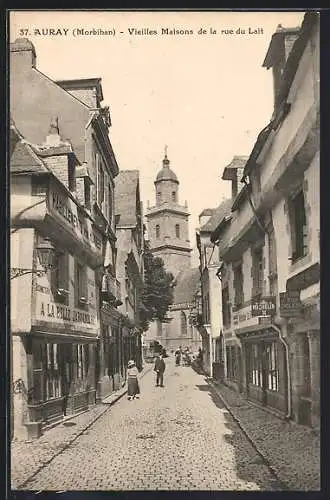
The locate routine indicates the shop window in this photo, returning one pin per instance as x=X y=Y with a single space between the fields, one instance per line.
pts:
x=298 y=225
x=232 y=355
x=272 y=367
x=157 y=231
x=37 y=393
x=238 y=286
x=52 y=372
x=257 y=271
x=59 y=278
x=177 y=230
x=255 y=373
x=226 y=312
x=80 y=285
x=82 y=358
x=184 y=327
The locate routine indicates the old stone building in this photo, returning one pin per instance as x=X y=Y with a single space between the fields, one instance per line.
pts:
x=77 y=155
x=270 y=244
x=210 y=323
x=55 y=319
x=130 y=244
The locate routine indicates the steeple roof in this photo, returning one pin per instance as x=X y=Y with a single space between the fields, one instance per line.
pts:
x=166 y=174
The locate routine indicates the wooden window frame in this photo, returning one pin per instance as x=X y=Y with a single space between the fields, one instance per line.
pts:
x=298 y=225
x=238 y=283
x=80 y=285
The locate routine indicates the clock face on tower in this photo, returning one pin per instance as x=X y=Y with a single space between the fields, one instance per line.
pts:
x=167 y=221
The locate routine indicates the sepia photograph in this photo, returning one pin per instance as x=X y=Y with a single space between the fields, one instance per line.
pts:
x=164 y=183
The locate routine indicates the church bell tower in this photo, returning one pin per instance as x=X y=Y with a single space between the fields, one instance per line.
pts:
x=167 y=222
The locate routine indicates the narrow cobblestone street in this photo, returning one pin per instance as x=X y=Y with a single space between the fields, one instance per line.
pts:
x=179 y=437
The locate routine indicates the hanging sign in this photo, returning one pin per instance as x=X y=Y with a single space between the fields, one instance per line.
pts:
x=265 y=306
x=290 y=304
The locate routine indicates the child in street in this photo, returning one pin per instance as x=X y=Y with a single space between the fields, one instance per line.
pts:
x=133 y=389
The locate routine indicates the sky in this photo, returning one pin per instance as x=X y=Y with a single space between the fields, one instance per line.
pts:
x=206 y=96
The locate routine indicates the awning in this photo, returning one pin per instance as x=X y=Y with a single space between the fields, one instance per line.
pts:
x=257 y=332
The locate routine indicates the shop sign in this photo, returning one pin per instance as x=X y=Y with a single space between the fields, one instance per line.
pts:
x=66 y=318
x=266 y=306
x=290 y=304
x=65 y=209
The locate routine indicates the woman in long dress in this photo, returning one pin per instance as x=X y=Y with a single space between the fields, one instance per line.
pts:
x=133 y=389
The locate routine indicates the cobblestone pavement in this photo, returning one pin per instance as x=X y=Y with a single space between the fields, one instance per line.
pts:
x=28 y=457
x=292 y=450
x=179 y=437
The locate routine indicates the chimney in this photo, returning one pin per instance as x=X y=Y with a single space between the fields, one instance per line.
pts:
x=24 y=52
x=277 y=55
x=233 y=172
x=53 y=138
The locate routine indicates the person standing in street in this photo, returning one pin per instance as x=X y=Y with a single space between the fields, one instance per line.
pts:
x=133 y=388
x=159 y=369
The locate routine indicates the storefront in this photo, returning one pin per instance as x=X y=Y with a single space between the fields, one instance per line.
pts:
x=265 y=368
x=110 y=355
x=261 y=361
x=55 y=321
x=303 y=325
x=61 y=347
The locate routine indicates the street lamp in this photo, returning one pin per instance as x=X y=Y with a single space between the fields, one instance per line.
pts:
x=46 y=254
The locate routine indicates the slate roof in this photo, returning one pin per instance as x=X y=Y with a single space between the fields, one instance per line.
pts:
x=188 y=282
x=206 y=212
x=23 y=159
x=126 y=185
x=238 y=162
x=218 y=214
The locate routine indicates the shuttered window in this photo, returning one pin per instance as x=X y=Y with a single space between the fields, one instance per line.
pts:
x=298 y=225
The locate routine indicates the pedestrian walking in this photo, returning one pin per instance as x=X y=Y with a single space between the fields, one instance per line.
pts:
x=177 y=357
x=133 y=388
x=159 y=369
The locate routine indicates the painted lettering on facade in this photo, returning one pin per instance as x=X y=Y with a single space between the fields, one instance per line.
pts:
x=63 y=207
x=66 y=317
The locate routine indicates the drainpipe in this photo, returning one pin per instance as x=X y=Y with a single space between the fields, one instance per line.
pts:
x=286 y=347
